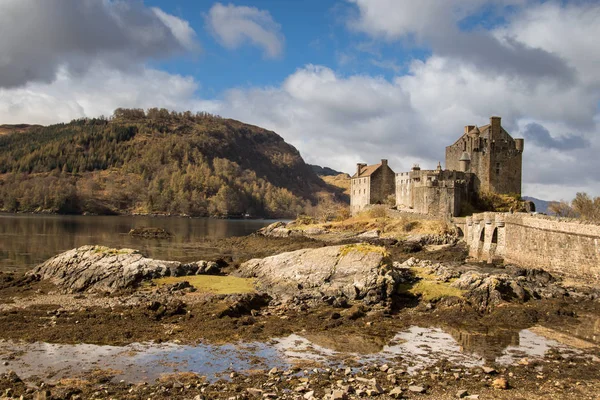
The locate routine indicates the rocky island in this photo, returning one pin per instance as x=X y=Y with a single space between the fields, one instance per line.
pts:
x=334 y=299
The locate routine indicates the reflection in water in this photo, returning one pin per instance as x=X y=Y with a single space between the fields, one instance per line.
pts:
x=26 y=240
x=414 y=349
x=489 y=345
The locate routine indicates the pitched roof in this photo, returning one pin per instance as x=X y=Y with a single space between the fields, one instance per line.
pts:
x=367 y=171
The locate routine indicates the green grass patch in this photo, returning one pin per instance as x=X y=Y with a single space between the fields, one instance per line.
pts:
x=363 y=248
x=428 y=288
x=213 y=283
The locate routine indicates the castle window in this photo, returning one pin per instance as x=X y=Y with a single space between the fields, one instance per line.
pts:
x=497 y=168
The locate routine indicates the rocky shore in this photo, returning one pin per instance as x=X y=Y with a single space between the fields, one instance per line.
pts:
x=349 y=291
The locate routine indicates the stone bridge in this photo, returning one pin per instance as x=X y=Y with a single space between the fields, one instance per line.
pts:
x=564 y=246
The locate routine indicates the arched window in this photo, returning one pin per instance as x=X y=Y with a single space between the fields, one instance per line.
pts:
x=495 y=236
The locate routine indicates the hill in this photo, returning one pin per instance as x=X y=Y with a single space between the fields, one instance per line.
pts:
x=325 y=171
x=156 y=162
x=20 y=128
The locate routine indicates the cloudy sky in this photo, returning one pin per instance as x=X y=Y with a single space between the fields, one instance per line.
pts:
x=343 y=80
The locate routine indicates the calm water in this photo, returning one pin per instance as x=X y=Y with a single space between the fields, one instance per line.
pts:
x=26 y=240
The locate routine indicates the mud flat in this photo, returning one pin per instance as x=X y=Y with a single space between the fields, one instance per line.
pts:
x=297 y=317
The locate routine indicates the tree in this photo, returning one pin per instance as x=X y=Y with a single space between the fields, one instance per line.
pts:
x=561 y=209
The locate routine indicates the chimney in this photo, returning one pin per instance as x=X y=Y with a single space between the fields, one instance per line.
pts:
x=495 y=125
x=359 y=167
x=469 y=128
x=383 y=162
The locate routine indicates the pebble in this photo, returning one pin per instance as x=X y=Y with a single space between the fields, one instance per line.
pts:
x=489 y=370
x=462 y=393
x=396 y=392
x=500 y=383
x=416 y=389
x=338 y=395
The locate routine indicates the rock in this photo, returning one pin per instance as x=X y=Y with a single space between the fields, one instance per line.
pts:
x=384 y=368
x=462 y=393
x=472 y=397
x=273 y=371
x=396 y=392
x=353 y=272
x=338 y=395
x=373 y=234
x=488 y=370
x=276 y=229
x=42 y=395
x=102 y=269
x=154 y=233
x=416 y=389
x=309 y=395
x=255 y=392
x=500 y=383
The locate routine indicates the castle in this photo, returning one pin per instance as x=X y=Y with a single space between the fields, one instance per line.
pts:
x=483 y=159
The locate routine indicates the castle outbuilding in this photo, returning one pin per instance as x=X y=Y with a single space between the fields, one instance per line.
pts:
x=371 y=184
x=483 y=159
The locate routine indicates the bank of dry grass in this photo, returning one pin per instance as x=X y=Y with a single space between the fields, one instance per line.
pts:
x=398 y=227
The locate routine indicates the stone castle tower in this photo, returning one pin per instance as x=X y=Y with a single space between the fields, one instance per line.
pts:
x=491 y=155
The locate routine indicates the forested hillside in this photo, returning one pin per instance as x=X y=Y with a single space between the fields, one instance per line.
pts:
x=155 y=162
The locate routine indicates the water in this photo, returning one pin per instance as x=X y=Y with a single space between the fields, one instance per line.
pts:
x=26 y=240
x=414 y=349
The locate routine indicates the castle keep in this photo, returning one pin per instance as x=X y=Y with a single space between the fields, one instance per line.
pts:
x=483 y=159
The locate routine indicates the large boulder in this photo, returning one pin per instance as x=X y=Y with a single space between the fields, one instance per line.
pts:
x=102 y=269
x=355 y=272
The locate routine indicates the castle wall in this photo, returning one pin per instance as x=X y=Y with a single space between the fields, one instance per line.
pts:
x=403 y=190
x=434 y=192
x=360 y=190
x=570 y=248
x=505 y=165
x=383 y=184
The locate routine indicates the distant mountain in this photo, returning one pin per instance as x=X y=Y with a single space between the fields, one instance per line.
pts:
x=541 y=206
x=325 y=171
x=156 y=162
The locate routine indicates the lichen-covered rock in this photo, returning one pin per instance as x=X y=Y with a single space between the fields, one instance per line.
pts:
x=102 y=269
x=355 y=272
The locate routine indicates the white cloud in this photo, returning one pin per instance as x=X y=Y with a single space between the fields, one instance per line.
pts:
x=40 y=38
x=99 y=91
x=234 y=25
x=337 y=120
x=569 y=30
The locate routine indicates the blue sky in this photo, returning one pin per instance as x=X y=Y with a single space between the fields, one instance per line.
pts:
x=314 y=31
x=344 y=81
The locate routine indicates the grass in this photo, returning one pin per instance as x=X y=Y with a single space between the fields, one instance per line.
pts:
x=363 y=248
x=213 y=283
x=396 y=227
x=428 y=288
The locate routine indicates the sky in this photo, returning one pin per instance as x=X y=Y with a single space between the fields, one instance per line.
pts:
x=344 y=81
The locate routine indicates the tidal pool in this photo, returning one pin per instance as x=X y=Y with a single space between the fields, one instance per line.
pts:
x=412 y=349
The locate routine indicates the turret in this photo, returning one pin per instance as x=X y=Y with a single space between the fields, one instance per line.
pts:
x=519 y=143
x=464 y=164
